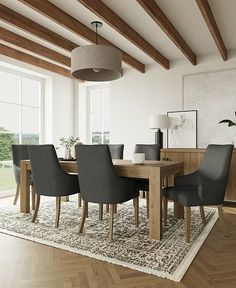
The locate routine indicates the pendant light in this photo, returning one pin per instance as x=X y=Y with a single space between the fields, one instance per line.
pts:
x=96 y=62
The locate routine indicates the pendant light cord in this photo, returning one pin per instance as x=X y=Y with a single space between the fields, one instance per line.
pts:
x=96 y=24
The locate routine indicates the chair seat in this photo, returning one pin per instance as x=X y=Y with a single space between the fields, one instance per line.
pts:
x=184 y=195
x=142 y=185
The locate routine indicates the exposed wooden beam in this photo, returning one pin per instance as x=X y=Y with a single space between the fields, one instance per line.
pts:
x=62 y=18
x=212 y=26
x=27 y=44
x=155 y=12
x=109 y=16
x=21 y=56
x=13 y=18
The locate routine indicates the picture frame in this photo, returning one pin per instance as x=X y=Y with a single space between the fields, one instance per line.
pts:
x=183 y=129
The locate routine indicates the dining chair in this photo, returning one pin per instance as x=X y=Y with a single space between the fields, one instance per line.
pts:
x=116 y=150
x=99 y=182
x=152 y=152
x=20 y=152
x=206 y=186
x=49 y=177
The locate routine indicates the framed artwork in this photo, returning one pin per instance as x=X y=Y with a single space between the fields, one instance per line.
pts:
x=183 y=129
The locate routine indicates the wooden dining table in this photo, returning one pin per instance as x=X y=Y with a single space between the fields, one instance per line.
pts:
x=154 y=171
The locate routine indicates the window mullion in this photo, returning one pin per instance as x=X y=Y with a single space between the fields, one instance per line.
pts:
x=20 y=110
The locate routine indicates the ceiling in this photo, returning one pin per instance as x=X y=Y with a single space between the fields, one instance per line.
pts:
x=184 y=15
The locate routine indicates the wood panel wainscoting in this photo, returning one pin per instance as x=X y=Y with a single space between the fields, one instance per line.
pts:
x=192 y=159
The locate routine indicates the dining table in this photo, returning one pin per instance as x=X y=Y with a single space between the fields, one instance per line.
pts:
x=153 y=171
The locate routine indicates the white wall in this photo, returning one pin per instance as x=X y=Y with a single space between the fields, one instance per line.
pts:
x=60 y=94
x=136 y=96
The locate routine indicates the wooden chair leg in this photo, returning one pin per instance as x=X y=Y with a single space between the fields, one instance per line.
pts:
x=79 y=200
x=107 y=208
x=165 y=209
x=33 y=197
x=142 y=194
x=58 y=211
x=84 y=215
x=36 y=207
x=187 y=219
x=222 y=221
x=136 y=211
x=147 y=200
x=112 y=208
x=100 y=212
x=17 y=194
x=202 y=215
x=115 y=208
x=87 y=210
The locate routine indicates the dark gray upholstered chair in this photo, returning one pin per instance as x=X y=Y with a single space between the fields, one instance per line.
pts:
x=99 y=182
x=49 y=178
x=20 y=152
x=152 y=152
x=206 y=186
x=116 y=150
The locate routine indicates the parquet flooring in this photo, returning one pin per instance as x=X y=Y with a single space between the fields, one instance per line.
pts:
x=24 y=264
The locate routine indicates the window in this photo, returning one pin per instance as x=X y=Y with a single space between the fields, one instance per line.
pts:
x=99 y=130
x=20 y=118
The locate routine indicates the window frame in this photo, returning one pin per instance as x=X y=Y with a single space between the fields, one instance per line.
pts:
x=41 y=108
x=19 y=104
x=89 y=112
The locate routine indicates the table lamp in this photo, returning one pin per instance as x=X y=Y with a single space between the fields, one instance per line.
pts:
x=159 y=122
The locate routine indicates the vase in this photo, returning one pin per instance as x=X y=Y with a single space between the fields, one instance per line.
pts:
x=67 y=154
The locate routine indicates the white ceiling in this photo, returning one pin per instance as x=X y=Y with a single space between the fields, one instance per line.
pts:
x=184 y=14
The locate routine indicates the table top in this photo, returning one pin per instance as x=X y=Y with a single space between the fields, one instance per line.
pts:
x=121 y=162
x=127 y=168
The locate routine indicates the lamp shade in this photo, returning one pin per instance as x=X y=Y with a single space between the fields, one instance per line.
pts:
x=96 y=63
x=159 y=122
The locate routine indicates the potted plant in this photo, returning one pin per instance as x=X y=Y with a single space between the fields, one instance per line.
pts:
x=68 y=143
x=230 y=124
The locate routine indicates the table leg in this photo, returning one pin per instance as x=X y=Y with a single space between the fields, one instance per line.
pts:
x=24 y=189
x=155 y=205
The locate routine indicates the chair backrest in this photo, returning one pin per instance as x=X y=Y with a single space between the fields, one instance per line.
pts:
x=99 y=182
x=152 y=151
x=215 y=167
x=116 y=150
x=19 y=152
x=216 y=161
x=47 y=172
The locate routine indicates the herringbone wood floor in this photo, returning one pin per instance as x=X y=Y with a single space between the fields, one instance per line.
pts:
x=24 y=264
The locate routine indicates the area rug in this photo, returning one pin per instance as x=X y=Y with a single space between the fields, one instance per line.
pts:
x=131 y=247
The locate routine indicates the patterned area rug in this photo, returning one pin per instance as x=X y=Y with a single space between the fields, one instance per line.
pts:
x=131 y=247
